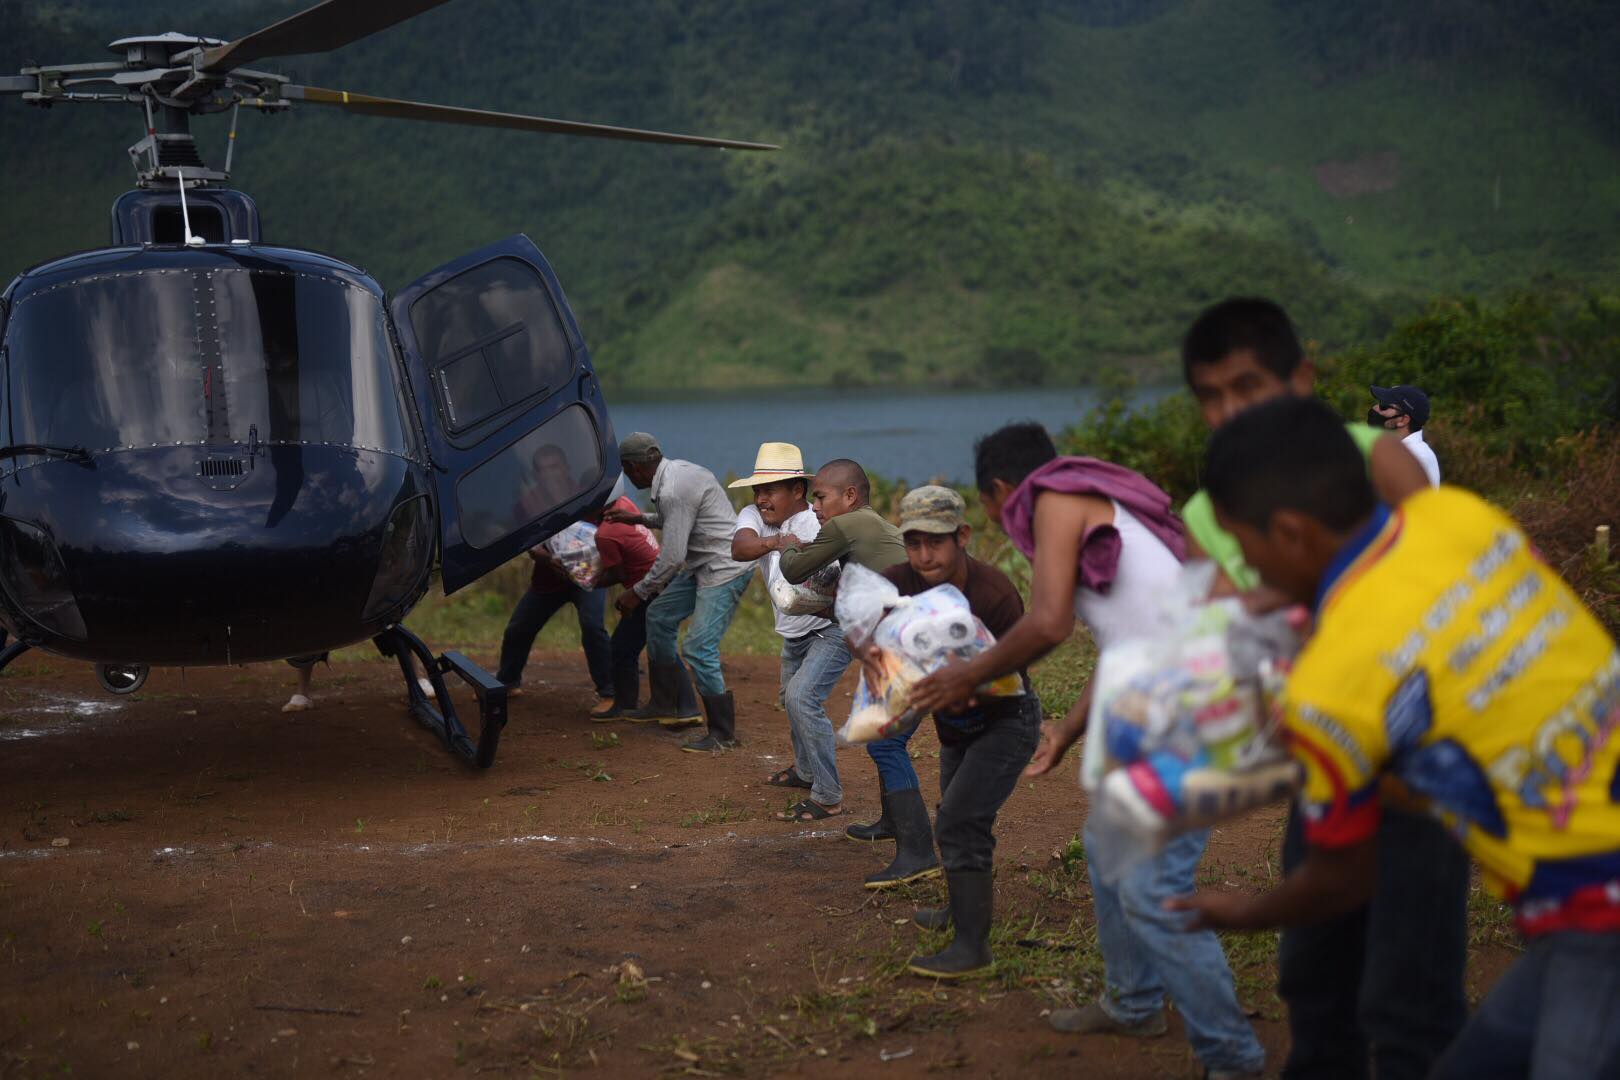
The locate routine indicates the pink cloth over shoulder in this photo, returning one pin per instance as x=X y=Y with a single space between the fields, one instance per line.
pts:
x=1099 y=548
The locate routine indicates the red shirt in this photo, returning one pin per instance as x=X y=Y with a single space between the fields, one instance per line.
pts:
x=632 y=547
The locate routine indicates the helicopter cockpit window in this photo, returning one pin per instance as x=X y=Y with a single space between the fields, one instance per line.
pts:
x=306 y=359
x=108 y=361
x=534 y=476
x=492 y=339
x=160 y=357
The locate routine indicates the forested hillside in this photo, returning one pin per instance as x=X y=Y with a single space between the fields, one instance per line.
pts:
x=1033 y=190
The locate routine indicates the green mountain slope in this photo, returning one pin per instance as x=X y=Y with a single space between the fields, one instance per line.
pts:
x=1035 y=191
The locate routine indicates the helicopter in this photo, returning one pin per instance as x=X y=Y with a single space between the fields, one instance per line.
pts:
x=215 y=449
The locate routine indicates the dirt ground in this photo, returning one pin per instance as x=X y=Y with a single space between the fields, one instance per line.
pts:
x=195 y=884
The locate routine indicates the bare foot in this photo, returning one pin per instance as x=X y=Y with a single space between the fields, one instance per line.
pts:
x=298 y=703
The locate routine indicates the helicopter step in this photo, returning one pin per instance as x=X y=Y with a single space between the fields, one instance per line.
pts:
x=438 y=714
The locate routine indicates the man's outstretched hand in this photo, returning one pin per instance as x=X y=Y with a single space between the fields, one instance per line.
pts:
x=627 y=601
x=621 y=517
x=1216 y=910
x=1049 y=753
x=948 y=689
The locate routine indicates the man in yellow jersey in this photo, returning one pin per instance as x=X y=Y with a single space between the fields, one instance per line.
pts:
x=1448 y=666
x=1381 y=988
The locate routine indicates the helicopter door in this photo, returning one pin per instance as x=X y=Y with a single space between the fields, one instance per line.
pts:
x=515 y=422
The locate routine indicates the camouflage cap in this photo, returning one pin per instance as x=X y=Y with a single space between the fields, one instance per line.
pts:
x=932 y=509
x=638 y=446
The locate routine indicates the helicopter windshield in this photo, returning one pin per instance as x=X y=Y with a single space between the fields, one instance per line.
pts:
x=164 y=357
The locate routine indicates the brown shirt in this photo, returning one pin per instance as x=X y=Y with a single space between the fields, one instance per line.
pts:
x=994 y=600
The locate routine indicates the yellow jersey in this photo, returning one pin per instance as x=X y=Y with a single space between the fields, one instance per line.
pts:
x=1448 y=656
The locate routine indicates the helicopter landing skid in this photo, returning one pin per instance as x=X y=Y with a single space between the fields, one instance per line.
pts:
x=11 y=652
x=438 y=714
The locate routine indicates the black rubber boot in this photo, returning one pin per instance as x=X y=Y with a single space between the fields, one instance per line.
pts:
x=972 y=897
x=881 y=829
x=722 y=734
x=663 y=687
x=932 y=918
x=686 y=702
x=626 y=689
x=913 y=840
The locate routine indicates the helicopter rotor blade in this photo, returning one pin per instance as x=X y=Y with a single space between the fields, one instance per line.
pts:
x=18 y=84
x=367 y=105
x=322 y=28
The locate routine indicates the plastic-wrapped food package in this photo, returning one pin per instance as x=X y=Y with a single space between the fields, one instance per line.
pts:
x=575 y=548
x=811 y=596
x=914 y=635
x=1184 y=731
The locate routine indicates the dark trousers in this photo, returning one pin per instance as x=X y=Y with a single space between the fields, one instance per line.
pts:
x=530 y=616
x=1552 y=1015
x=629 y=638
x=977 y=773
x=1382 y=986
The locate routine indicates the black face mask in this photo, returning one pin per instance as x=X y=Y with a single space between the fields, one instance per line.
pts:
x=1376 y=418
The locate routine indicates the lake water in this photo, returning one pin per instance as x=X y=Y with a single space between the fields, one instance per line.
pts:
x=912 y=435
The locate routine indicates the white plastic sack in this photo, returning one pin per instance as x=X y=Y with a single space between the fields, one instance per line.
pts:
x=915 y=636
x=810 y=597
x=575 y=548
x=1183 y=731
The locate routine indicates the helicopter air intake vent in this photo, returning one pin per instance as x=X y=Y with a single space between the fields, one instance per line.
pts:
x=215 y=467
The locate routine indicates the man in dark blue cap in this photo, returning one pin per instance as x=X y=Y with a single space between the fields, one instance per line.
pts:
x=1404 y=410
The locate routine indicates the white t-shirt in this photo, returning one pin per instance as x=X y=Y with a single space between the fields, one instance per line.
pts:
x=803 y=525
x=1147 y=569
x=1420 y=449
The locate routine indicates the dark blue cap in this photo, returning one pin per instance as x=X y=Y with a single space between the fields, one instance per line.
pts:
x=1411 y=400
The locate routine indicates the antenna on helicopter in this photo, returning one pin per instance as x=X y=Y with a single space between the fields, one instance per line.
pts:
x=185 y=215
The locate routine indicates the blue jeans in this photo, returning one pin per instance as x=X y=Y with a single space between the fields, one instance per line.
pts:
x=893 y=761
x=1551 y=1017
x=1147 y=954
x=710 y=610
x=530 y=616
x=811 y=667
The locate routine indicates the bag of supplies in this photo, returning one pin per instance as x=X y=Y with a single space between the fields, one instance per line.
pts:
x=810 y=597
x=914 y=636
x=575 y=548
x=1183 y=730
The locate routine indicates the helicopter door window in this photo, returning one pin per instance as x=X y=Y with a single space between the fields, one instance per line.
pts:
x=493 y=339
x=550 y=466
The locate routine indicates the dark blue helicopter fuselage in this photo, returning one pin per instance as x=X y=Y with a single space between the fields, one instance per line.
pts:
x=254 y=483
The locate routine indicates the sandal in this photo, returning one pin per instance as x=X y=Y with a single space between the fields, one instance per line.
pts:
x=809 y=810
x=787 y=778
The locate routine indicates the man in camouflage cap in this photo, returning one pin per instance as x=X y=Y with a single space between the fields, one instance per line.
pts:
x=982 y=749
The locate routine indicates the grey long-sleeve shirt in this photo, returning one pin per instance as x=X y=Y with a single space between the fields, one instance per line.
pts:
x=697 y=520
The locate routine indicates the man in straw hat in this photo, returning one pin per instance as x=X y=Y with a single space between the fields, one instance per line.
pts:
x=814 y=656
x=693 y=578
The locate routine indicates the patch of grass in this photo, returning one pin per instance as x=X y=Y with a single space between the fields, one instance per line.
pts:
x=1490 y=921
x=608 y=815
x=723 y=812
x=601 y=740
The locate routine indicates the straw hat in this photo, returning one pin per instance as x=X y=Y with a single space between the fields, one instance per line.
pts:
x=775 y=461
